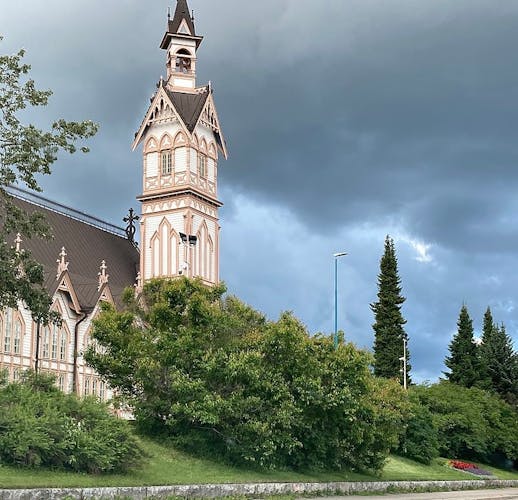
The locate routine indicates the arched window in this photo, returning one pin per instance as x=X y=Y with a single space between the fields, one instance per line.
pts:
x=17 y=337
x=1 y=328
x=54 y=346
x=87 y=386
x=202 y=165
x=45 y=351
x=183 y=61
x=63 y=345
x=102 y=390
x=8 y=330
x=166 y=156
x=61 y=382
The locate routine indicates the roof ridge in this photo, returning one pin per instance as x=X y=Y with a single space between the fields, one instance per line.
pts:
x=71 y=213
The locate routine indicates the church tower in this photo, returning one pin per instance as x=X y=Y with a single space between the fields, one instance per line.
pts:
x=182 y=140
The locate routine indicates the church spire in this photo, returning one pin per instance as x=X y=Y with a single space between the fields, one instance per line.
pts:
x=181 y=25
x=181 y=43
x=182 y=14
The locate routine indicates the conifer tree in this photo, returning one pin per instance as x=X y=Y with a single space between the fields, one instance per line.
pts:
x=463 y=359
x=389 y=332
x=488 y=330
x=499 y=360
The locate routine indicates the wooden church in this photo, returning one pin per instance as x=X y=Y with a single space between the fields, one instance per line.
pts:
x=89 y=261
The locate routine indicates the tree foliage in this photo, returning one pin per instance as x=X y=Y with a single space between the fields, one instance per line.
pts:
x=41 y=426
x=217 y=377
x=499 y=361
x=25 y=153
x=463 y=361
x=389 y=331
x=471 y=423
x=420 y=440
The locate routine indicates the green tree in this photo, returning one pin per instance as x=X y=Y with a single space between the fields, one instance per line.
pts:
x=389 y=332
x=499 y=361
x=25 y=153
x=488 y=330
x=463 y=360
x=471 y=423
x=420 y=439
x=213 y=375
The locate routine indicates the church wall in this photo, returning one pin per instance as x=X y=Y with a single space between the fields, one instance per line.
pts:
x=63 y=369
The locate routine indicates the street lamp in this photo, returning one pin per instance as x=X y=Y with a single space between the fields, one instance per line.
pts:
x=188 y=241
x=337 y=256
x=403 y=358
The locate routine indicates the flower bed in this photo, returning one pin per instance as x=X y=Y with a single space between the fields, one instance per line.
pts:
x=469 y=467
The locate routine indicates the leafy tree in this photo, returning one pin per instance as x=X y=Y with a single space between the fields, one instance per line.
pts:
x=420 y=441
x=216 y=377
x=26 y=152
x=389 y=322
x=463 y=359
x=471 y=423
x=41 y=426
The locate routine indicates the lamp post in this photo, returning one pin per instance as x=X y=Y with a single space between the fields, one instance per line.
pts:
x=188 y=241
x=403 y=358
x=337 y=256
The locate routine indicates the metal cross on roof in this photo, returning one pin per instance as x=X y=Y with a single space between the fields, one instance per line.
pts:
x=130 y=229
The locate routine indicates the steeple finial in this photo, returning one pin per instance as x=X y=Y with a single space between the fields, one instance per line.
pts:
x=62 y=264
x=103 y=277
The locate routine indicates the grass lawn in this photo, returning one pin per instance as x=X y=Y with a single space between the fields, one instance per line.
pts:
x=168 y=466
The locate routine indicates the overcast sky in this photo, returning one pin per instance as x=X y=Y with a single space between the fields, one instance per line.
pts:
x=346 y=120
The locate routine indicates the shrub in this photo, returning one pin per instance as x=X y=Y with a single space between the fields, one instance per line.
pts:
x=471 y=423
x=214 y=375
x=41 y=426
x=419 y=441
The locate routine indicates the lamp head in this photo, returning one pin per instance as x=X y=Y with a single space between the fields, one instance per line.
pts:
x=339 y=254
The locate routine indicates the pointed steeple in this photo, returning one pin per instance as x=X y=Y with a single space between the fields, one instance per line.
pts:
x=182 y=24
x=182 y=14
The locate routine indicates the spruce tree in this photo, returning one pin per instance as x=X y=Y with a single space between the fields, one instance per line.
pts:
x=500 y=362
x=488 y=330
x=463 y=359
x=389 y=332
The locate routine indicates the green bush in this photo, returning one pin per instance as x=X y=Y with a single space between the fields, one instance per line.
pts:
x=41 y=426
x=216 y=377
x=471 y=423
x=419 y=441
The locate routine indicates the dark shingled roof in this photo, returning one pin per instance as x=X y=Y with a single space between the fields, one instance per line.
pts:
x=86 y=247
x=189 y=106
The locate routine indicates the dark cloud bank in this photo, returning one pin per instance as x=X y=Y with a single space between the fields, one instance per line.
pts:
x=346 y=120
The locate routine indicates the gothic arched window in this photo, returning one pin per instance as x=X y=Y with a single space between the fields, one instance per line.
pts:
x=17 y=337
x=63 y=346
x=8 y=330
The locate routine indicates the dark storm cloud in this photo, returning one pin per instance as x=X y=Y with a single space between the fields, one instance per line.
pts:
x=421 y=111
x=346 y=120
